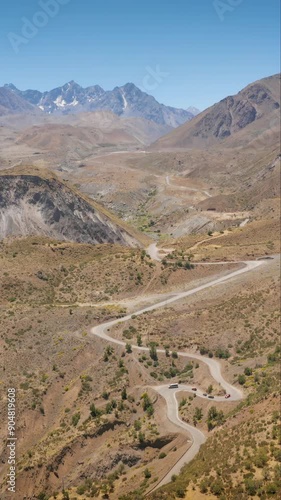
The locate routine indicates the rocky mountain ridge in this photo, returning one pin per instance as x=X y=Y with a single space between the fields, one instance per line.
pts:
x=126 y=101
x=258 y=102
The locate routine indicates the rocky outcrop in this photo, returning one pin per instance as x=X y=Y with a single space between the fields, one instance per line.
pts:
x=31 y=205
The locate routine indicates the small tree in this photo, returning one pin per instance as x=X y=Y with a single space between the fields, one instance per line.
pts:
x=180 y=492
x=94 y=411
x=147 y=473
x=141 y=437
x=137 y=425
x=198 y=414
x=129 y=349
x=215 y=418
x=248 y=371
x=203 y=486
x=147 y=404
x=108 y=408
x=75 y=419
x=242 y=379
x=217 y=487
x=124 y=393
x=153 y=351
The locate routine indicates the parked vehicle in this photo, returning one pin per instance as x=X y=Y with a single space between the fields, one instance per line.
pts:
x=173 y=386
x=194 y=389
x=211 y=397
x=205 y=394
x=227 y=396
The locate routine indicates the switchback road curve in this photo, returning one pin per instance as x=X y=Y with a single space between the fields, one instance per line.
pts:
x=198 y=438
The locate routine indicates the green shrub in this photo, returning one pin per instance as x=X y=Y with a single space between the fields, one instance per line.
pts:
x=248 y=371
x=147 y=473
x=153 y=352
x=129 y=349
x=242 y=379
x=272 y=488
x=75 y=419
x=217 y=487
x=137 y=425
x=180 y=492
x=203 y=486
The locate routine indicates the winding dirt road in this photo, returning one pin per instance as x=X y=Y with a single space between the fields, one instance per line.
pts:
x=198 y=438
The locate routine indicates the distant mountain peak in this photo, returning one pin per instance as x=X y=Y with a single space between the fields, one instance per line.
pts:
x=130 y=86
x=193 y=110
x=127 y=100
x=72 y=84
x=10 y=86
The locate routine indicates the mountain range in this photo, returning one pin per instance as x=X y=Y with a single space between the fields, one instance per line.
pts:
x=125 y=101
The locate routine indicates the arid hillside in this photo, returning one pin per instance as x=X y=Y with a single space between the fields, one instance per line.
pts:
x=32 y=204
x=258 y=102
x=139 y=303
x=89 y=421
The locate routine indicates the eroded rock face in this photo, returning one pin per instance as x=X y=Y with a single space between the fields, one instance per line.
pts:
x=229 y=117
x=235 y=113
x=31 y=205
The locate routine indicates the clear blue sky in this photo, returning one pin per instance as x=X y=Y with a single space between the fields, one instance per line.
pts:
x=113 y=42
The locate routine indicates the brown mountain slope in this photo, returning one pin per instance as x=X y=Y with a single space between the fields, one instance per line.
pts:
x=73 y=138
x=32 y=203
x=258 y=102
x=256 y=185
x=53 y=137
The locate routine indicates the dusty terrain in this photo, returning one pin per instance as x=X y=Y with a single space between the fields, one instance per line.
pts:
x=92 y=415
x=58 y=385
x=168 y=191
